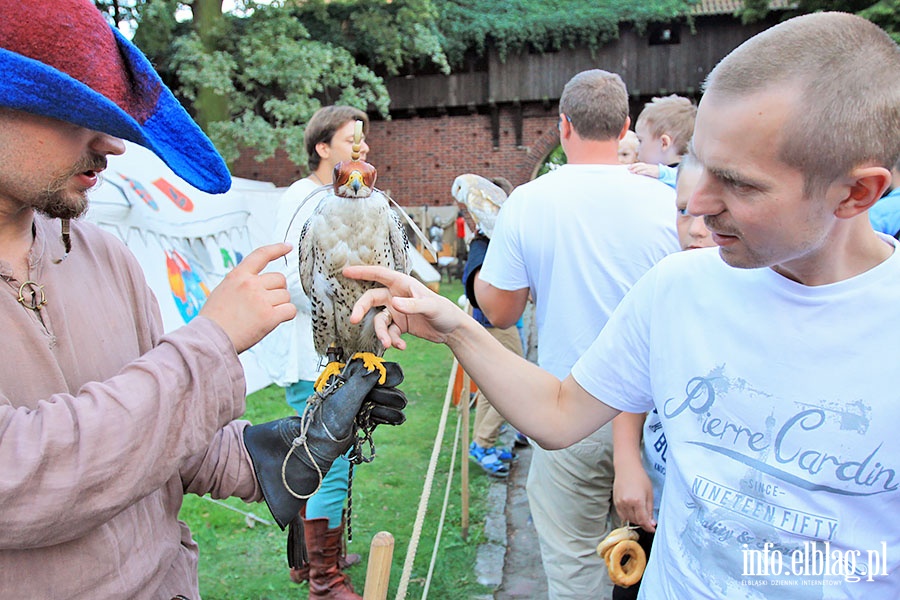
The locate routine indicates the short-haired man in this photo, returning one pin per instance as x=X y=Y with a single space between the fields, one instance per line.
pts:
x=776 y=388
x=576 y=239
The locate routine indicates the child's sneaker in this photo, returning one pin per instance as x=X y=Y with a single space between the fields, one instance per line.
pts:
x=521 y=439
x=488 y=460
x=505 y=454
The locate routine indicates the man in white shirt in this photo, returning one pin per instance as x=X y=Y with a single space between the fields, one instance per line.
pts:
x=776 y=387
x=576 y=239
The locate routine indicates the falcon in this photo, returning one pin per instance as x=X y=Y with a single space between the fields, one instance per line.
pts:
x=352 y=225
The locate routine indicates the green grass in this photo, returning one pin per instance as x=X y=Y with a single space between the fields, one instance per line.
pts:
x=238 y=562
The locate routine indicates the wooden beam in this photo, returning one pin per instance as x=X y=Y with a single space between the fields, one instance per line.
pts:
x=495 y=125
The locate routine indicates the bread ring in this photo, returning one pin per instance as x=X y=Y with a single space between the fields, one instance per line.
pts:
x=635 y=560
x=615 y=536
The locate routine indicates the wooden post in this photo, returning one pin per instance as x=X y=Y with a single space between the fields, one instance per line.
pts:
x=378 y=570
x=464 y=469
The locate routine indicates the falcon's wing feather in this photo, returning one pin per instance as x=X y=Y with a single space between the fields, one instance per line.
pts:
x=306 y=251
x=323 y=306
x=399 y=243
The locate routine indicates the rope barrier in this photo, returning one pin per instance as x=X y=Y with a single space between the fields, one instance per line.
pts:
x=248 y=516
x=437 y=539
x=426 y=490
x=464 y=405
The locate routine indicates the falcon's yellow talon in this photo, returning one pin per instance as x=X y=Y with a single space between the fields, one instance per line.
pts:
x=331 y=369
x=372 y=363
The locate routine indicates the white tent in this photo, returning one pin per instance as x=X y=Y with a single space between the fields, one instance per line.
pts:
x=186 y=240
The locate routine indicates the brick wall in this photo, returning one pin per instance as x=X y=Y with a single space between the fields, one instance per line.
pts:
x=418 y=158
x=279 y=169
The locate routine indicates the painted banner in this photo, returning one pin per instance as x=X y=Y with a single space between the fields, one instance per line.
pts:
x=185 y=240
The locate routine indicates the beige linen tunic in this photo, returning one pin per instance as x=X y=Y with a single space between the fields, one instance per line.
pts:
x=105 y=423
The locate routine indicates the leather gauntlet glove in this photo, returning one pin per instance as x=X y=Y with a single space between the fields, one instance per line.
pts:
x=292 y=455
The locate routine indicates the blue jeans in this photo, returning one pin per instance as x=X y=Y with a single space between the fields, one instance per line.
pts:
x=329 y=500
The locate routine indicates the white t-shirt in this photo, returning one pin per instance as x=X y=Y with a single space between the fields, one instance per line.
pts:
x=293 y=338
x=654 y=453
x=780 y=403
x=579 y=237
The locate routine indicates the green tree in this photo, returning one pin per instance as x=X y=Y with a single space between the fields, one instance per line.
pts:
x=390 y=37
x=157 y=32
x=118 y=12
x=251 y=79
x=210 y=26
x=884 y=13
x=275 y=77
x=554 y=160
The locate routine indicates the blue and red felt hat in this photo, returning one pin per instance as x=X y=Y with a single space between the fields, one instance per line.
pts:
x=61 y=59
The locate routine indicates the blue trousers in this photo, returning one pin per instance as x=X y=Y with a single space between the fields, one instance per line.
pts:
x=329 y=500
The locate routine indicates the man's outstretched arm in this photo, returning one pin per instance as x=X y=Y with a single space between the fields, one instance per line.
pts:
x=553 y=413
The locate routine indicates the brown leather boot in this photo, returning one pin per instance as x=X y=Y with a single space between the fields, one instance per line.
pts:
x=298 y=556
x=323 y=545
x=301 y=574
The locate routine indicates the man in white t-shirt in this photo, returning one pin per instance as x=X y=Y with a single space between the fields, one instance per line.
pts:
x=576 y=239
x=777 y=386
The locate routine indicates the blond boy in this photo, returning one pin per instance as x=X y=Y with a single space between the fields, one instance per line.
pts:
x=664 y=130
